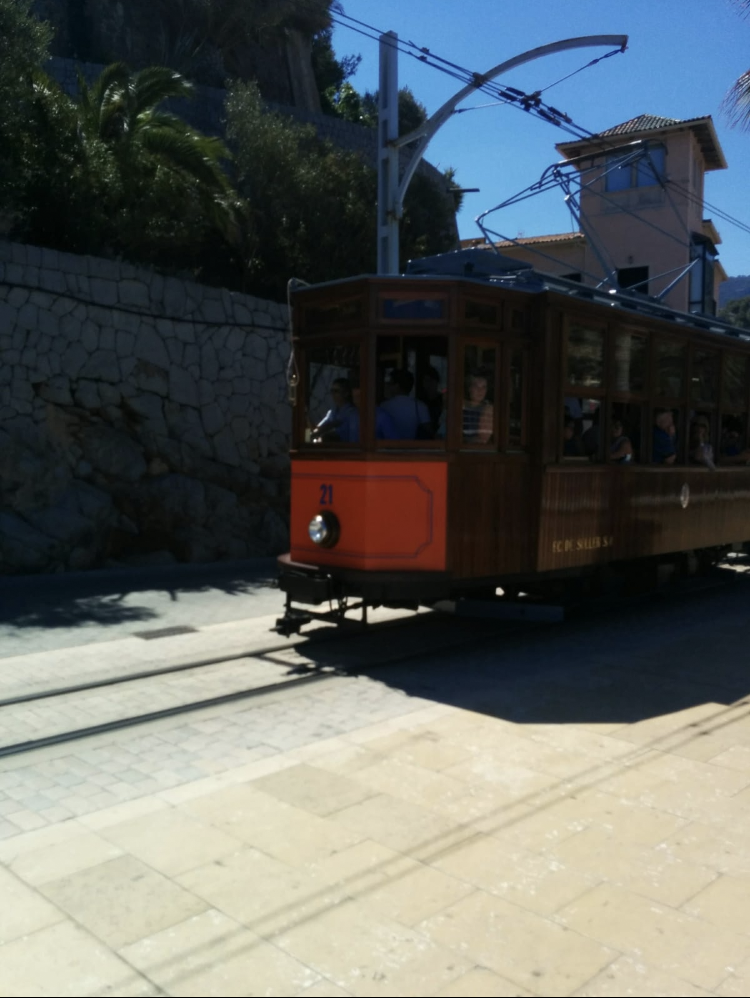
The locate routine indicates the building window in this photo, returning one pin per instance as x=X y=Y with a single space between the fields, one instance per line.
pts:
x=633 y=277
x=627 y=170
x=704 y=255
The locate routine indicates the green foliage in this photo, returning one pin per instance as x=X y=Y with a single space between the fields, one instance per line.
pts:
x=737 y=312
x=112 y=173
x=194 y=33
x=331 y=74
x=24 y=45
x=312 y=205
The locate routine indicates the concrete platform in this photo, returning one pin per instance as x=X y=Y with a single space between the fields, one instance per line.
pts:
x=570 y=817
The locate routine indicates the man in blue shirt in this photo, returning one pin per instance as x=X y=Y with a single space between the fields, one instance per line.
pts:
x=665 y=440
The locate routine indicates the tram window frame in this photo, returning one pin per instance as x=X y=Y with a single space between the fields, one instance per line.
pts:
x=482 y=343
x=512 y=348
x=593 y=392
x=407 y=297
x=733 y=411
x=724 y=400
x=473 y=321
x=661 y=398
x=319 y=317
x=582 y=388
x=400 y=357
x=702 y=400
x=614 y=388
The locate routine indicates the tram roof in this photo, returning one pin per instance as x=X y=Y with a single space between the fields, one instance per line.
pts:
x=478 y=266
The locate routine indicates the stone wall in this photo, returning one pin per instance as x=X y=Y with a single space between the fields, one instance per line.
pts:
x=142 y=417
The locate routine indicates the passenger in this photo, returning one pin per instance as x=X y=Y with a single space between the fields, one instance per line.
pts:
x=478 y=414
x=341 y=422
x=731 y=450
x=665 y=449
x=701 y=451
x=620 y=447
x=432 y=396
x=590 y=437
x=410 y=417
x=572 y=446
x=385 y=428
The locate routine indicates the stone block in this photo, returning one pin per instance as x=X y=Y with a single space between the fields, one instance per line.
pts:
x=48 y=322
x=41 y=299
x=124 y=342
x=52 y=280
x=182 y=386
x=104 y=292
x=175 y=299
x=235 y=340
x=213 y=419
x=63 y=306
x=8 y=316
x=134 y=294
x=103 y=365
x=57 y=390
x=149 y=346
x=90 y=336
x=258 y=347
x=126 y=321
x=87 y=394
x=212 y=311
x=113 y=453
x=18 y=297
x=225 y=447
x=147 y=405
x=175 y=350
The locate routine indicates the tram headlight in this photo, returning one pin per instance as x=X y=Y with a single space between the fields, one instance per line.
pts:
x=324 y=529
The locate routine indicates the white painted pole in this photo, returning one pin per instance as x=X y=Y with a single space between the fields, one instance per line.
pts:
x=388 y=155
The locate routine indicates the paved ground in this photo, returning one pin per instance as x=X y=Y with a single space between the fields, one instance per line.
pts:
x=560 y=811
x=51 y=612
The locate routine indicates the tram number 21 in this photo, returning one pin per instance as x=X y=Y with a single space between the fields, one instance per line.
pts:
x=326 y=495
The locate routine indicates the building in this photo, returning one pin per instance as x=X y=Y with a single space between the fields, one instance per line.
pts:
x=640 y=191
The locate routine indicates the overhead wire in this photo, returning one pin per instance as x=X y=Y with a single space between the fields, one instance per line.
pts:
x=531 y=103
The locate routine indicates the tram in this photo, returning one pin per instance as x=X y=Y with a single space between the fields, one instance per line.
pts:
x=459 y=430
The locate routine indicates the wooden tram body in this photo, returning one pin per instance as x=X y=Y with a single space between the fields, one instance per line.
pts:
x=418 y=520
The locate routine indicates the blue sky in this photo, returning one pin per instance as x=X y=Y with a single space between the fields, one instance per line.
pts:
x=682 y=57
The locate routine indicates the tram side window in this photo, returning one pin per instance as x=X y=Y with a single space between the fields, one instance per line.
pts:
x=704 y=379
x=734 y=422
x=585 y=348
x=670 y=368
x=732 y=446
x=581 y=428
x=478 y=408
x=411 y=377
x=332 y=395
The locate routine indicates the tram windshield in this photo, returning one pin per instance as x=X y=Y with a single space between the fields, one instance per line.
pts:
x=332 y=394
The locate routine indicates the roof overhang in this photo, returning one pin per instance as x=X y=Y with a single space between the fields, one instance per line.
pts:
x=702 y=129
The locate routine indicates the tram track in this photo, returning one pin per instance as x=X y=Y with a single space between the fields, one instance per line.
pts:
x=60 y=712
x=80 y=710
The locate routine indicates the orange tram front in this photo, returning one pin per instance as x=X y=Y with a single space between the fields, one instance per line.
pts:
x=456 y=434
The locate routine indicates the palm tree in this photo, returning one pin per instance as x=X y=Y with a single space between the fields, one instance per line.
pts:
x=161 y=161
x=737 y=102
